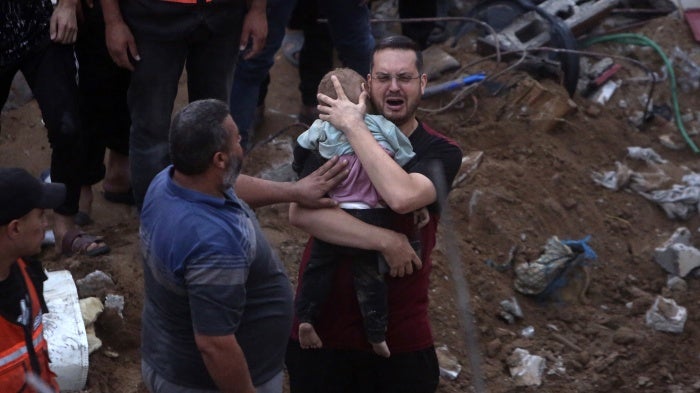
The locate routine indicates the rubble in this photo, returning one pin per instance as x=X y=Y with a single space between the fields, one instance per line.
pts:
x=526 y=369
x=677 y=255
x=666 y=316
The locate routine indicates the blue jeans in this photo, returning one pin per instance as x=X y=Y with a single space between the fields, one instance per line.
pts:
x=251 y=74
x=210 y=60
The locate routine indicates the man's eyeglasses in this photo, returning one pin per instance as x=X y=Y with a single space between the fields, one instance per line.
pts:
x=402 y=79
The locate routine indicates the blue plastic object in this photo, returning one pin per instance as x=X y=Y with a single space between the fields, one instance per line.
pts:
x=453 y=84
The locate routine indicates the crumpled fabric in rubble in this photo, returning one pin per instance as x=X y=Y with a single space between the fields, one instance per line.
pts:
x=539 y=277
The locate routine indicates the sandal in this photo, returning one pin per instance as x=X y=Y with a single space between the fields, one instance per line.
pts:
x=75 y=241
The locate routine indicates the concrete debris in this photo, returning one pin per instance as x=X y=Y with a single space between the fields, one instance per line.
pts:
x=95 y=284
x=677 y=284
x=449 y=367
x=528 y=332
x=512 y=307
x=613 y=180
x=116 y=303
x=647 y=154
x=91 y=308
x=666 y=316
x=680 y=201
x=526 y=369
x=677 y=255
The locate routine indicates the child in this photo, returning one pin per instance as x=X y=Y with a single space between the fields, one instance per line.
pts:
x=357 y=196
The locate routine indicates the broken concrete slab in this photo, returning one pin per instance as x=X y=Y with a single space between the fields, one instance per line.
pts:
x=677 y=255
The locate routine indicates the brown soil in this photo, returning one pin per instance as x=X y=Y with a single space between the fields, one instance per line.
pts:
x=534 y=182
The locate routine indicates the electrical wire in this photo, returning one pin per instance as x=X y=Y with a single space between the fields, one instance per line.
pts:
x=641 y=40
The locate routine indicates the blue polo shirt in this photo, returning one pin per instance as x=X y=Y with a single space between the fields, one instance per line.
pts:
x=208 y=269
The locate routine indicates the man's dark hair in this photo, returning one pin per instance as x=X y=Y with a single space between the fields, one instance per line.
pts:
x=196 y=134
x=400 y=42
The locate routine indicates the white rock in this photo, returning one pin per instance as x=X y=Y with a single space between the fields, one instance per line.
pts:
x=526 y=369
x=666 y=316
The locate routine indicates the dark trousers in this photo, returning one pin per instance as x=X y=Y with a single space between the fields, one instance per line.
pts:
x=341 y=371
x=368 y=275
x=102 y=87
x=418 y=32
x=50 y=72
x=347 y=31
x=210 y=62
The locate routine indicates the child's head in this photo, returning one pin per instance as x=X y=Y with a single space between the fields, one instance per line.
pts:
x=349 y=79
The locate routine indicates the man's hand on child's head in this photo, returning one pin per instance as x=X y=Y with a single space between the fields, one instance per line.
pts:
x=342 y=113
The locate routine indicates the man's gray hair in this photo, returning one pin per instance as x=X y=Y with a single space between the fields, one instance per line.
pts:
x=196 y=134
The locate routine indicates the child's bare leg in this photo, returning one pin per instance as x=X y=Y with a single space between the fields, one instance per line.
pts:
x=308 y=337
x=381 y=349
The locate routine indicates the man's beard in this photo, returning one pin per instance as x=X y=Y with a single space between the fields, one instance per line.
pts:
x=232 y=171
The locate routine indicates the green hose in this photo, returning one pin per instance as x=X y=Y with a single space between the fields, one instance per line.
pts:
x=638 y=39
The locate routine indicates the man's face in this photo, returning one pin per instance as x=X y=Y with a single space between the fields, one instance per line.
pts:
x=31 y=229
x=395 y=85
x=235 y=154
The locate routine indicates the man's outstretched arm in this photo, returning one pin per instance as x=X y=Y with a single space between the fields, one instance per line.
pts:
x=309 y=191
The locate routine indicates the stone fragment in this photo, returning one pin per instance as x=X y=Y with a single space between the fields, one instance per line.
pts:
x=677 y=255
x=666 y=316
x=526 y=369
x=95 y=284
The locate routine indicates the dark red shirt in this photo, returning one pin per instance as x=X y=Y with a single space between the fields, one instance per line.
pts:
x=340 y=322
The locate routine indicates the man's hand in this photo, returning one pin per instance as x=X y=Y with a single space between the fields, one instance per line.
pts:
x=64 y=23
x=121 y=44
x=400 y=256
x=254 y=30
x=342 y=113
x=311 y=190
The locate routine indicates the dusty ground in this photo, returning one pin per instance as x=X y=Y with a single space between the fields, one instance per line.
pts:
x=533 y=183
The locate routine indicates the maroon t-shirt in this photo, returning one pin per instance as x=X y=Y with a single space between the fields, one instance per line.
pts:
x=340 y=323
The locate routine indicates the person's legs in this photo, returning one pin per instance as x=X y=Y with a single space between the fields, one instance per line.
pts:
x=371 y=292
x=211 y=62
x=315 y=59
x=350 y=30
x=412 y=372
x=51 y=73
x=251 y=74
x=151 y=96
x=104 y=111
x=418 y=32
x=315 y=287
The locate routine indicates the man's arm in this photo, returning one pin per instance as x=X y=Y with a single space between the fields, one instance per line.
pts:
x=120 y=41
x=336 y=226
x=226 y=363
x=403 y=192
x=309 y=191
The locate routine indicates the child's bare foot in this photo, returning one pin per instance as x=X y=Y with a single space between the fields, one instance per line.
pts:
x=381 y=349
x=308 y=337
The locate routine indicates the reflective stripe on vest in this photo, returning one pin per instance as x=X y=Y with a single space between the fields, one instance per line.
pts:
x=21 y=351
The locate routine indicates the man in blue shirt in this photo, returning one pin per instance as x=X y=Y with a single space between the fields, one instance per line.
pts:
x=218 y=303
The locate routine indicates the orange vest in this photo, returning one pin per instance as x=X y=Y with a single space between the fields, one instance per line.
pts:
x=15 y=355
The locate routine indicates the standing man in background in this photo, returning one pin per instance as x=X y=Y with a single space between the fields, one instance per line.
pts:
x=156 y=39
